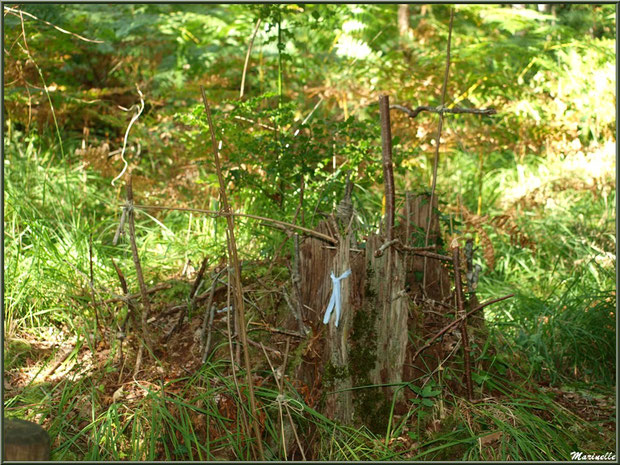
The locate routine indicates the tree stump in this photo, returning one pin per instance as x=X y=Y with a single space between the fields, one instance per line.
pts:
x=337 y=376
x=325 y=364
x=315 y=289
x=390 y=298
x=384 y=301
x=412 y=232
x=25 y=441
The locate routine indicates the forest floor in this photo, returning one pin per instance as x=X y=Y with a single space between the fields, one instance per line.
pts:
x=46 y=362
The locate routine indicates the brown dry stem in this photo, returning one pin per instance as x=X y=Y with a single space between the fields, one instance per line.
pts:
x=238 y=294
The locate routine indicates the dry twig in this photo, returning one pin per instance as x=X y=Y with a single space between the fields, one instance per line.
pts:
x=209 y=324
x=441 y=110
x=281 y=400
x=247 y=58
x=65 y=355
x=192 y=300
x=131 y=311
x=30 y=15
x=146 y=305
x=128 y=297
x=438 y=143
x=92 y=284
x=276 y=330
x=282 y=224
x=422 y=251
x=459 y=305
x=455 y=323
x=239 y=303
x=139 y=109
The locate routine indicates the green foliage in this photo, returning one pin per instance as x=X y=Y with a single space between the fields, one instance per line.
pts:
x=48 y=220
x=425 y=394
x=289 y=152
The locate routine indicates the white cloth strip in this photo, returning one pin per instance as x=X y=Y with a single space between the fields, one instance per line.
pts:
x=334 y=301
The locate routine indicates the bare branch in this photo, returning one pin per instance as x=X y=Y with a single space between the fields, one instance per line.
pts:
x=283 y=224
x=247 y=58
x=19 y=12
x=146 y=305
x=438 y=143
x=456 y=322
x=441 y=110
x=234 y=261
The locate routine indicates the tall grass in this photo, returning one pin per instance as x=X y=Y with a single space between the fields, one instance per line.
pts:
x=50 y=210
x=563 y=315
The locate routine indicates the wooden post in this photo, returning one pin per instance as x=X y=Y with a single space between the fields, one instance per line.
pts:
x=24 y=441
x=388 y=170
x=461 y=311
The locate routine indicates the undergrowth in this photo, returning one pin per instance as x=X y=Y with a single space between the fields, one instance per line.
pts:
x=559 y=331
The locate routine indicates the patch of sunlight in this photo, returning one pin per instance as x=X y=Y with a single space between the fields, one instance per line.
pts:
x=526 y=183
x=604 y=77
x=561 y=107
x=353 y=48
x=587 y=86
x=356 y=8
x=525 y=108
x=414 y=163
x=606 y=260
x=352 y=25
x=594 y=166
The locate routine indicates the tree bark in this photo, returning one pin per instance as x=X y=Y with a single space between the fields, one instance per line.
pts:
x=339 y=403
x=388 y=168
x=403 y=19
x=388 y=291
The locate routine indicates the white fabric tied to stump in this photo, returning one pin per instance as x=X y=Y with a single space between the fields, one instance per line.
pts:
x=334 y=302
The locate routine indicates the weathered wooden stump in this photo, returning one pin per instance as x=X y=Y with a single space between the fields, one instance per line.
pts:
x=390 y=299
x=315 y=262
x=339 y=402
x=25 y=441
x=391 y=303
x=411 y=231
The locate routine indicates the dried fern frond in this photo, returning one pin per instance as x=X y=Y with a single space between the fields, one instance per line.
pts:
x=506 y=224
x=487 y=247
x=476 y=222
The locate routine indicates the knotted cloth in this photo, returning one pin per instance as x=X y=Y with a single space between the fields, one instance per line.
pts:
x=334 y=301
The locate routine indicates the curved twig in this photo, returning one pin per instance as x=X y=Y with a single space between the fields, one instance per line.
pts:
x=133 y=120
x=30 y=15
